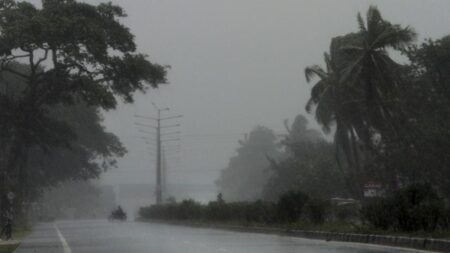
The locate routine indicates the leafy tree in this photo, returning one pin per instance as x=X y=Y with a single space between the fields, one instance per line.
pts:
x=308 y=165
x=420 y=152
x=86 y=201
x=85 y=157
x=75 y=52
x=92 y=152
x=299 y=132
x=247 y=172
x=431 y=61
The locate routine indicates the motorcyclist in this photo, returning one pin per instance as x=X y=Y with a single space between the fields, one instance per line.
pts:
x=119 y=214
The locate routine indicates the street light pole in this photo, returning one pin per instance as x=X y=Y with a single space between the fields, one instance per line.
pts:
x=158 y=160
x=159 y=151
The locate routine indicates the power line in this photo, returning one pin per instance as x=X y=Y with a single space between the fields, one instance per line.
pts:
x=161 y=164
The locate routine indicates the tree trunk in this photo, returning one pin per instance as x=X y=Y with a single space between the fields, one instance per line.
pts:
x=10 y=162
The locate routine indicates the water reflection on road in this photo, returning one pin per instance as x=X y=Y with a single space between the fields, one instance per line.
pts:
x=131 y=237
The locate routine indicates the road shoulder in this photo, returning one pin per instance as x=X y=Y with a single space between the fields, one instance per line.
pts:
x=42 y=239
x=403 y=242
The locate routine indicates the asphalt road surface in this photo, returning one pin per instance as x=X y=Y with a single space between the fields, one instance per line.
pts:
x=131 y=237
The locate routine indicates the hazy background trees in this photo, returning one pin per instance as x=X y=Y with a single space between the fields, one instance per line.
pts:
x=389 y=118
x=268 y=165
x=87 y=200
x=248 y=172
x=308 y=165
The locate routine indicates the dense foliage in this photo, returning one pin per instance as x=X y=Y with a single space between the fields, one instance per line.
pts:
x=70 y=73
x=308 y=164
x=415 y=208
x=390 y=120
x=289 y=209
x=267 y=167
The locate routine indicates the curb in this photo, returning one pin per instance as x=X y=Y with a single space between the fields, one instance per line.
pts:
x=9 y=242
x=418 y=243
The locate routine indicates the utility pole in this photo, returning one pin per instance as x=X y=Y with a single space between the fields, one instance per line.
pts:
x=164 y=171
x=159 y=152
x=158 y=160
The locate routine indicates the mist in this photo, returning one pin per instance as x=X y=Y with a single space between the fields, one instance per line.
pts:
x=224 y=126
x=235 y=65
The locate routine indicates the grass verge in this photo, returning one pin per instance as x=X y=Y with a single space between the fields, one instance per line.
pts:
x=9 y=248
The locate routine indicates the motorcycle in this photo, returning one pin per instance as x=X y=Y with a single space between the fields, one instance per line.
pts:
x=118 y=214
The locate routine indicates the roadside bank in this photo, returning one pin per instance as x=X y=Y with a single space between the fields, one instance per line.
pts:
x=9 y=246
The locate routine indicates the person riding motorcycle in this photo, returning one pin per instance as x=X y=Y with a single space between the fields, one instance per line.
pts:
x=118 y=214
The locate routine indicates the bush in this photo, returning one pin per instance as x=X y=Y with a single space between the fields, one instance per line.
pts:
x=290 y=206
x=245 y=212
x=377 y=213
x=346 y=212
x=316 y=210
x=415 y=208
x=260 y=212
x=189 y=209
x=216 y=211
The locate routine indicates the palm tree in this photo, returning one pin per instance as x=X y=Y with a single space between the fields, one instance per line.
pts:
x=328 y=97
x=358 y=90
x=371 y=68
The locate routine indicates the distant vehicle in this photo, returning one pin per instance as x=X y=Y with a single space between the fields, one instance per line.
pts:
x=118 y=214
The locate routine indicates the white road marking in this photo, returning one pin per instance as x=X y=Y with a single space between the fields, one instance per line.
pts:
x=66 y=248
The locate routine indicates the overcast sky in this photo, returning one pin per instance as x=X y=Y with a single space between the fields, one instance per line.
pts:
x=237 y=64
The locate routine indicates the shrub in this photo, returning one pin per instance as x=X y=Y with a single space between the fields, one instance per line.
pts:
x=189 y=209
x=260 y=212
x=346 y=212
x=417 y=207
x=377 y=213
x=217 y=211
x=290 y=206
x=316 y=210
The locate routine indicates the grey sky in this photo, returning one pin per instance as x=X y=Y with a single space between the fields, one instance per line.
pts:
x=237 y=64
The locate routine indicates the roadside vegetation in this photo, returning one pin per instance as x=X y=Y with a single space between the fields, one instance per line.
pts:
x=8 y=248
x=389 y=122
x=384 y=120
x=21 y=231
x=56 y=77
x=416 y=209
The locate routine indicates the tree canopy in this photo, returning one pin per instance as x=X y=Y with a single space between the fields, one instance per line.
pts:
x=388 y=117
x=308 y=165
x=247 y=172
x=64 y=59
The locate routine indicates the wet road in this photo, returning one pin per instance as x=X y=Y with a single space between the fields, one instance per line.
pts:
x=105 y=237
